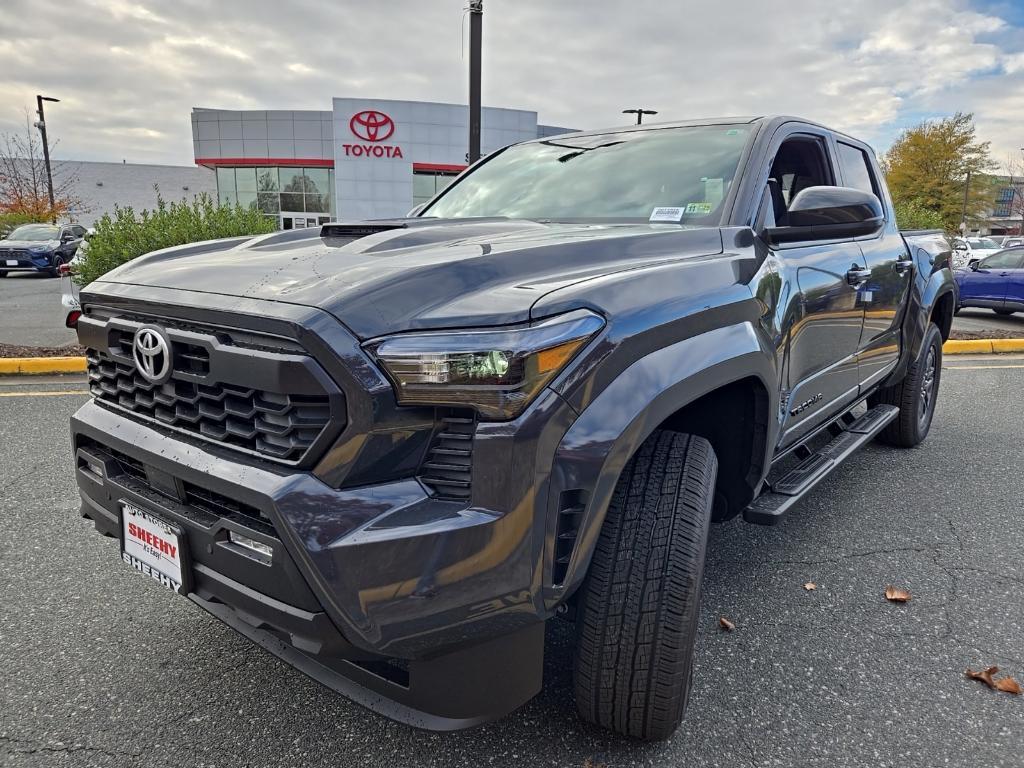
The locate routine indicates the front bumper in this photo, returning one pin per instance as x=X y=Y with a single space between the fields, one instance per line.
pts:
x=426 y=611
x=26 y=261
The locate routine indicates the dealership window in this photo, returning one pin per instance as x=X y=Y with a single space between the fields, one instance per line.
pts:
x=274 y=190
x=426 y=184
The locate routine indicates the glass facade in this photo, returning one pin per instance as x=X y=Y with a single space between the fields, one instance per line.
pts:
x=275 y=189
x=426 y=184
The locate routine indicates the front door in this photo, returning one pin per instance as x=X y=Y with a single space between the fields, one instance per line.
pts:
x=822 y=318
x=988 y=284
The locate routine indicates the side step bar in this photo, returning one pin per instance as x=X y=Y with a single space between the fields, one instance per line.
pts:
x=772 y=505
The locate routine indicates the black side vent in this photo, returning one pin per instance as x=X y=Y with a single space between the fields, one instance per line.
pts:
x=448 y=468
x=570 y=513
x=357 y=230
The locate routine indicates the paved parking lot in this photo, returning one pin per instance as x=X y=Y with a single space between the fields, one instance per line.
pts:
x=100 y=667
x=31 y=311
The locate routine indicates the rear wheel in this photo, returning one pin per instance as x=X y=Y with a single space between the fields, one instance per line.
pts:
x=3 y=274
x=915 y=395
x=637 y=618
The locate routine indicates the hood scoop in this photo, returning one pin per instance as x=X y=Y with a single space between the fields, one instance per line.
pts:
x=361 y=229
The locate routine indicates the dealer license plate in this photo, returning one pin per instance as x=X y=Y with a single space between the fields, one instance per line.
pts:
x=152 y=546
x=12 y=262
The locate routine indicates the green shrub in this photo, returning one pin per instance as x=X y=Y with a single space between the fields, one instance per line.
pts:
x=10 y=221
x=125 y=235
x=912 y=214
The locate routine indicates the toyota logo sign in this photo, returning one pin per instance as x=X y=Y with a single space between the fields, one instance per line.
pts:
x=371 y=125
x=152 y=353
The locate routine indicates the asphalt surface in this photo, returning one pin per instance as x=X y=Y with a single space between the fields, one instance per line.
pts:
x=31 y=311
x=33 y=316
x=101 y=667
x=981 y=320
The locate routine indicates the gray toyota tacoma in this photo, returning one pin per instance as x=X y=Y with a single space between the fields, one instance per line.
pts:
x=389 y=451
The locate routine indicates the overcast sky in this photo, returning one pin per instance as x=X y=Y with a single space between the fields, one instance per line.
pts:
x=128 y=73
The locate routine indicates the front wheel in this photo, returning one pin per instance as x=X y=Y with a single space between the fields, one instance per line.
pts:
x=915 y=395
x=637 y=618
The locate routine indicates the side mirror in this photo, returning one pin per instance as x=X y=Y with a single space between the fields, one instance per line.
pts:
x=829 y=213
x=974 y=265
x=67 y=237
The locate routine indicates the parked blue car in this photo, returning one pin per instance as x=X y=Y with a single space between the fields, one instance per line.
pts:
x=39 y=248
x=995 y=282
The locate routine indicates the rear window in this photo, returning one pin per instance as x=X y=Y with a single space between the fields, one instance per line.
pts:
x=857 y=169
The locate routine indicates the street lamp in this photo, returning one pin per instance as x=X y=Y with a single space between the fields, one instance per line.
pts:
x=41 y=125
x=639 y=114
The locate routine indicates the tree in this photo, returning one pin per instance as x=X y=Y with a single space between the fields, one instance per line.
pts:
x=930 y=165
x=910 y=214
x=23 y=187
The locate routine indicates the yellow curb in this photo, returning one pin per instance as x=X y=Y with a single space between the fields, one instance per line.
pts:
x=968 y=347
x=1008 y=345
x=31 y=365
x=982 y=346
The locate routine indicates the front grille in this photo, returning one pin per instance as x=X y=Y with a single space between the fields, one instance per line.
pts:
x=273 y=424
x=447 y=470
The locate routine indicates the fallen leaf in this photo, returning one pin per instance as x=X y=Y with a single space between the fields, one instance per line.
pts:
x=1009 y=685
x=725 y=624
x=984 y=676
x=896 y=595
x=810 y=586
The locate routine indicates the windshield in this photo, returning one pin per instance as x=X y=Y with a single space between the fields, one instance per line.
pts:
x=983 y=243
x=34 y=232
x=617 y=176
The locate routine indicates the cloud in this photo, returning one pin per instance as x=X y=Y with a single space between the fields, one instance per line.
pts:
x=868 y=67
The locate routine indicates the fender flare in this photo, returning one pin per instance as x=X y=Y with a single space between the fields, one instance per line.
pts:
x=932 y=285
x=592 y=453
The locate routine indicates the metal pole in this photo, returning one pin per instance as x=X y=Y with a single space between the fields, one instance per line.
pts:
x=476 y=17
x=46 y=153
x=963 y=215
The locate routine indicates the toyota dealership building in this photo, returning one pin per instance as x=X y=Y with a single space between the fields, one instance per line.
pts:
x=366 y=158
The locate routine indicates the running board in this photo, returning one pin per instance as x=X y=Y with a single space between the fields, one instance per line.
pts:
x=772 y=506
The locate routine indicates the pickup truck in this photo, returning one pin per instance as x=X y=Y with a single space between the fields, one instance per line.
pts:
x=389 y=451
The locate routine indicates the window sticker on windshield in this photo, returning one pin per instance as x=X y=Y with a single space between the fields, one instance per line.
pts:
x=698 y=209
x=667 y=214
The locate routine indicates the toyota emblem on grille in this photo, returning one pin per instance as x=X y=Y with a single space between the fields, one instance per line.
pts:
x=152 y=353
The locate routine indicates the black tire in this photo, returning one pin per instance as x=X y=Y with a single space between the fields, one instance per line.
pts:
x=1003 y=312
x=54 y=271
x=915 y=395
x=637 y=616
x=3 y=274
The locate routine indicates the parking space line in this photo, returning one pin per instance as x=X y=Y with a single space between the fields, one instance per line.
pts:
x=46 y=393
x=977 y=367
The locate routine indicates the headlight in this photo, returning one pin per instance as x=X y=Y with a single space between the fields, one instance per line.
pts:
x=39 y=248
x=496 y=371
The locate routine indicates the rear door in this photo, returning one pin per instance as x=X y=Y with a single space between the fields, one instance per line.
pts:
x=1015 y=285
x=884 y=294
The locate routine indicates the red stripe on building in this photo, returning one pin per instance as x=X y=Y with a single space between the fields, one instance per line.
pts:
x=319 y=162
x=442 y=167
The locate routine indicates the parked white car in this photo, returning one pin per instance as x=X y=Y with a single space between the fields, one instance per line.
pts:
x=68 y=289
x=968 y=249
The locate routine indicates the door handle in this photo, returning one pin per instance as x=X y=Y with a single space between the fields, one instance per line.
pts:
x=902 y=265
x=856 y=275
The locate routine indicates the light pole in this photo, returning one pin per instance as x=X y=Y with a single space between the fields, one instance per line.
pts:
x=639 y=114
x=41 y=125
x=476 y=18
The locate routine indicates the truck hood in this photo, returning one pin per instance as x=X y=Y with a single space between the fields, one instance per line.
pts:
x=382 y=277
